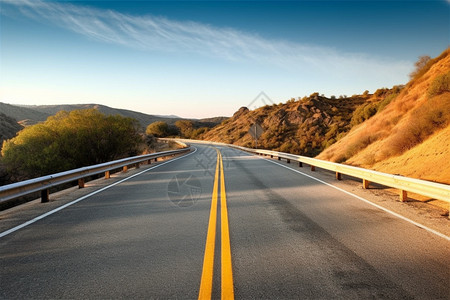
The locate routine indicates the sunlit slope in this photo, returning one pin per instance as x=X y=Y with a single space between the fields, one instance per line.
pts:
x=304 y=126
x=429 y=160
x=411 y=135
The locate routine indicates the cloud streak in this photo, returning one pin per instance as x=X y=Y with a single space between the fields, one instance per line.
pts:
x=151 y=33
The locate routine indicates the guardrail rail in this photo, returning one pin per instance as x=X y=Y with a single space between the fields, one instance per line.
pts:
x=44 y=183
x=430 y=189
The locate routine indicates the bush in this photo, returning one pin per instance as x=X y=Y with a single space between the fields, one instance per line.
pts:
x=381 y=92
x=440 y=85
x=198 y=132
x=71 y=140
x=158 y=129
x=386 y=101
x=363 y=113
x=185 y=127
x=422 y=68
x=420 y=65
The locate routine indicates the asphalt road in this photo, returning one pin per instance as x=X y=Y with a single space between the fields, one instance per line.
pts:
x=290 y=237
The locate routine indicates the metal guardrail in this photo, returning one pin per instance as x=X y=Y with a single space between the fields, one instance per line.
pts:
x=43 y=184
x=403 y=184
x=434 y=190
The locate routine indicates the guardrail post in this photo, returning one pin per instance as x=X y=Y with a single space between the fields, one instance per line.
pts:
x=403 y=196
x=149 y=161
x=125 y=169
x=279 y=158
x=138 y=165
x=45 y=195
x=338 y=176
x=156 y=159
x=300 y=164
x=366 y=184
x=271 y=156
x=81 y=183
x=107 y=175
x=288 y=161
x=313 y=168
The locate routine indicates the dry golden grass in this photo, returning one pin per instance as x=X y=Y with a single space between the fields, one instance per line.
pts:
x=401 y=130
x=429 y=160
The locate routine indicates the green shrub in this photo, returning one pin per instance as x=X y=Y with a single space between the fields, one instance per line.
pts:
x=440 y=85
x=158 y=129
x=363 y=113
x=71 y=140
x=386 y=101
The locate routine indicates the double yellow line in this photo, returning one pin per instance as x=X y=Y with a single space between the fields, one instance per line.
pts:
x=227 y=291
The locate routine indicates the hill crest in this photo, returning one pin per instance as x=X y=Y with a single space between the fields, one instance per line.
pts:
x=416 y=124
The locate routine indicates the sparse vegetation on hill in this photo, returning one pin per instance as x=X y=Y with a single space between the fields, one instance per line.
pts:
x=385 y=131
x=418 y=114
x=305 y=126
x=158 y=129
x=365 y=130
x=188 y=129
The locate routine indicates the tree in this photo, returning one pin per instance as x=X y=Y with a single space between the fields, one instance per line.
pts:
x=158 y=129
x=420 y=65
x=71 y=140
x=186 y=128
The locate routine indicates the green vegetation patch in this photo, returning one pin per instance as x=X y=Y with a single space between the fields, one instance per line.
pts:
x=440 y=85
x=70 y=140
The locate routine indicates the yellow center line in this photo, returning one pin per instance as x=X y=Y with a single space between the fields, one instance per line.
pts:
x=227 y=272
x=227 y=289
x=208 y=260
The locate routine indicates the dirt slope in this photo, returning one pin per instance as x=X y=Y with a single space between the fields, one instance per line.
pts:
x=411 y=135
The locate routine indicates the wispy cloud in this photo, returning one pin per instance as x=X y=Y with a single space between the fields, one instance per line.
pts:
x=161 y=34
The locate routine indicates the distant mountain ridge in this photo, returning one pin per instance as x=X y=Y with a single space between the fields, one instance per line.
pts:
x=32 y=114
x=14 y=117
x=144 y=119
x=23 y=114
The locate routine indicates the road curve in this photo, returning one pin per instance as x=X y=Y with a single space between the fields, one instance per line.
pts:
x=289 y=237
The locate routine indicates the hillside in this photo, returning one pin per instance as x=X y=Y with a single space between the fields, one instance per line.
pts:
x=24 y=115
x=32 y=114
x=305 y=126
x=8 y=128
x=144 y=119
x=403 y=130
x=411 y=136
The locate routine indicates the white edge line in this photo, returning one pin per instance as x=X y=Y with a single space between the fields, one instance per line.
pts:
x=9 y=231
x=364 y=200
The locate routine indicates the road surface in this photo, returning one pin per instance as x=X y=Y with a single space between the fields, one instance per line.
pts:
x=220 y=223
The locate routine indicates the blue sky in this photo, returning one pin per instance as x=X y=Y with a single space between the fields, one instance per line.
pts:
x=208 y=58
